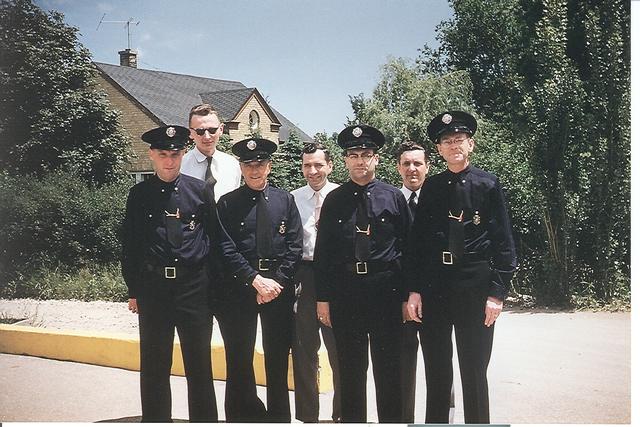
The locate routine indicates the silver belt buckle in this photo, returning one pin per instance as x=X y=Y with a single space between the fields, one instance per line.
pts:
x=260 y=267
x=361 y=267
x=447 y=258
x=169 y=272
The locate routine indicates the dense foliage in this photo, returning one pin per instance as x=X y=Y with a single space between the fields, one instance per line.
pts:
x=51 y=114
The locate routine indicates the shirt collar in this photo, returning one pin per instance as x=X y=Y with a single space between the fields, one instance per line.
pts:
x=407 y=192
x=200 y=157
x=310 y=192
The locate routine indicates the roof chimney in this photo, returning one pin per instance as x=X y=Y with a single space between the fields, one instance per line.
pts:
x=129 y=58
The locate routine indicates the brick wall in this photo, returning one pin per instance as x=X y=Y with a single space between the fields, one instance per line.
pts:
x=135 y=121
x=243 y=117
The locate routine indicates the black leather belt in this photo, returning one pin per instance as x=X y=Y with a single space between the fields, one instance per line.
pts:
x=266 y=264
x=174 y=272
x=367 y=267
x=449 y=259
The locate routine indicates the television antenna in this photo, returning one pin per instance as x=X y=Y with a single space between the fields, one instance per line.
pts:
x=127 y=24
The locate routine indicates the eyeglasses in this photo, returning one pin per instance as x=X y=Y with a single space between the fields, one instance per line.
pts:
x=363 y=156
x=453 y=141
x=201 y=131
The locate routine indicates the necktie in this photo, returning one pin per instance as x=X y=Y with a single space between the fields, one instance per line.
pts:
x=318 y=207
x=456 y=219
x=263 y=227
x=209 y=178
x=412 y=205
x=173 y=223
x=363 y=228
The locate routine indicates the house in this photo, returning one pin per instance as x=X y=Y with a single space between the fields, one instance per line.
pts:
x=148 y=98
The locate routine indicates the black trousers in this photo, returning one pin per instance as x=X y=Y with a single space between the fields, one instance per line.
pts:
x=366 y=311
x=410 y=342
x=164 y=306
x=237 y=317
x=460 y=309
x=306 y=343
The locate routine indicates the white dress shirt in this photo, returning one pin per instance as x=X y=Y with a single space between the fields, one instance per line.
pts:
x=306 y=203
x=407 y=193
x=224 y=167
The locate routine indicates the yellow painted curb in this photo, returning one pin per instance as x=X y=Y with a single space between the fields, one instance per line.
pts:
x=123 y=351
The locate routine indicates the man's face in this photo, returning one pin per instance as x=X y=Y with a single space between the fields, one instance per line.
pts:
x=166 y=163
x=455 y=148
x=315 y=169
x=413 y=168
x=207 y=142
x=255 y=173
x=361 y=164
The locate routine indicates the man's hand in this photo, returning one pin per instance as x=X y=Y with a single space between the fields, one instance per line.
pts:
x=492 y=310
x=322 y=309
x=267 y=288
x=405 y=313
x=414 y=307
x=133 y=305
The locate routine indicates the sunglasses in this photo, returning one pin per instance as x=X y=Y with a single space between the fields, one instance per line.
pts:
x=201 y=131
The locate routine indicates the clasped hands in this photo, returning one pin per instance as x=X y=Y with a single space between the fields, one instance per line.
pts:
x=268 y=289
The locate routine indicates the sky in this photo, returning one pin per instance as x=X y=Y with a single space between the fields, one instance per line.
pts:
x=304 y=56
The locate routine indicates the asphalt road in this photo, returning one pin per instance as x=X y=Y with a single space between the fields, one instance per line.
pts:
x=546 y=368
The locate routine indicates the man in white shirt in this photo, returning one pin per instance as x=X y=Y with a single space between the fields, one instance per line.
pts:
x=205 y=162
x=316 y=166
x=413 y=166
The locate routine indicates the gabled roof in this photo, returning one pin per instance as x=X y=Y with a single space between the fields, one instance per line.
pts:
x=229 y=102
x=170 y=96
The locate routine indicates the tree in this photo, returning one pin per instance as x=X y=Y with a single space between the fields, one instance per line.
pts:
x=556 y=74
x=51 y=114
x=286 y=171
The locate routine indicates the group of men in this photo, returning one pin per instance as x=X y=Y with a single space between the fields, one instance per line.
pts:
x=369 y=266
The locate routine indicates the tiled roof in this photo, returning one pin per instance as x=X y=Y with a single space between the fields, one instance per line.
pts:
x=170 y=96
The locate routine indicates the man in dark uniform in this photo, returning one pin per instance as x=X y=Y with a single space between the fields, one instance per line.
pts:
x=264 y=223
x=169 y=229
x=461 y=260
x=361 y=234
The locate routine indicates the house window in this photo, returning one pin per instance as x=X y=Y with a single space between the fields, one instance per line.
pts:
x=141 y=176
x=254 y=121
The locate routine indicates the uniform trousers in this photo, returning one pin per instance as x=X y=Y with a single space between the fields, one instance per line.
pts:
x=238 y=322
x=306 y=343
x=165 y=305
x=366 y=310
x=463 y=310
x=410 y=342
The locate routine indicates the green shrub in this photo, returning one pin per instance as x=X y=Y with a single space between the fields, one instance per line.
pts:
x=58 y=220
x=89 y=283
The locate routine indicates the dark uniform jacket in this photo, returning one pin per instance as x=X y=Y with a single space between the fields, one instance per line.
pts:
x=335 y=243
x=145 y=236
x=489 y=252
x=237 y=211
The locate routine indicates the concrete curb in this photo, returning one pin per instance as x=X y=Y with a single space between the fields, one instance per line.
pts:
x=122 y=351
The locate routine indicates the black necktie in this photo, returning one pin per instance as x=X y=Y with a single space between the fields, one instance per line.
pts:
x=208 y=176
x=263 y=227
x=456 y=218
x=412 y=205
x=172 y=220
x=363 y=228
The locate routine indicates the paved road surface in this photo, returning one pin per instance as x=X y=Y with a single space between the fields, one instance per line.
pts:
x=546 y=368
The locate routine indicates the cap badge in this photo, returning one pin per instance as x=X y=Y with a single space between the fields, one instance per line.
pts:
x=251 y=145
x=357 y=132
x=446 y=119
x=171 y=131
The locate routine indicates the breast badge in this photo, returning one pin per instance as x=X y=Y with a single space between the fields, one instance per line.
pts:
x=476 y=218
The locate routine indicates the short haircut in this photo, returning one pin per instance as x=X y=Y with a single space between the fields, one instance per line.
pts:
x=411 y=146
x=202 y=110
x=312 y=147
